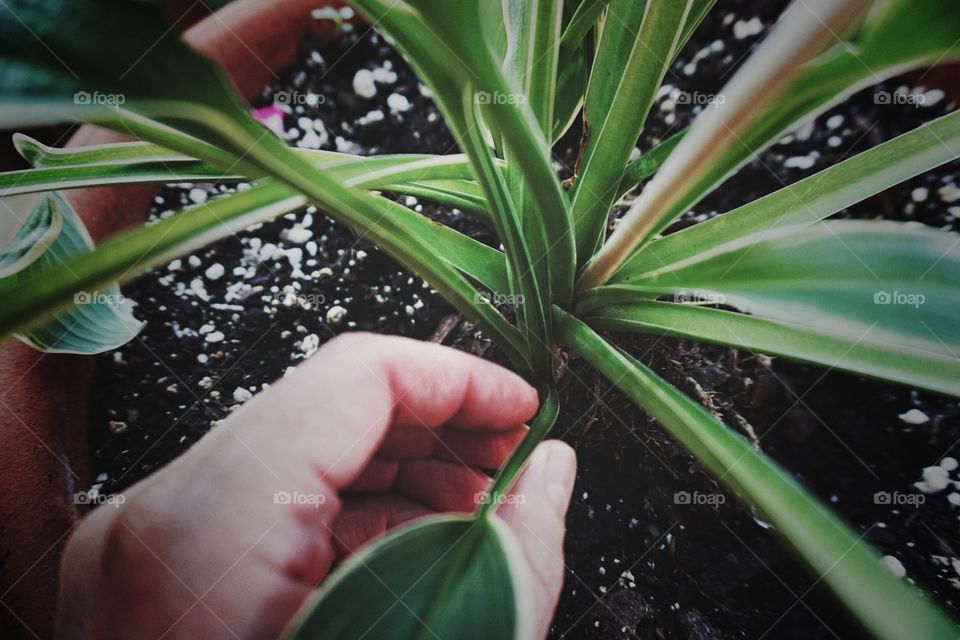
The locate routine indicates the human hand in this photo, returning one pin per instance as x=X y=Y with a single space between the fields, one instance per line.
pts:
x=228 y=540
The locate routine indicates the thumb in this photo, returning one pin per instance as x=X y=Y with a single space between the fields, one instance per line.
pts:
x=537 y=518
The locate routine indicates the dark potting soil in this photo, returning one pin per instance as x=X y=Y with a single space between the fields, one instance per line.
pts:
x=655 y=547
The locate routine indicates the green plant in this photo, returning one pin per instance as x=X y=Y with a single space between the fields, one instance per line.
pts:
x=509 y=85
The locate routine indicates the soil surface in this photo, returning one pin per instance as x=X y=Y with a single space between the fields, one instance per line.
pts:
x=643 y=560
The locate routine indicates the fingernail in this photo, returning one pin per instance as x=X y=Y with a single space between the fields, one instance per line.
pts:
x=556 y=473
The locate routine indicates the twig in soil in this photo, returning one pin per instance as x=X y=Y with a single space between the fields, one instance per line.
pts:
x=733 y=361
x=741 y=423
x=447 y=324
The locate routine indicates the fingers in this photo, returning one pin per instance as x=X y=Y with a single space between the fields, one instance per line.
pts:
x=437 y=484
x=431 y=385
x=442 y=486
x=361 y=384
x=378 y=477
x=537 y=518
x=364 y=518
x=484 y=449
x=418 y=487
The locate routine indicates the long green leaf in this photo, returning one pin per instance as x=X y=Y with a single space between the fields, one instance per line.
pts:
x=533 y=34
x=43 y=156
x=533 y=39
x=867 y=356
x=894 y=282
x=197 y=100
x=513 y=467
x=813 y=198
x=452 y=81
x=530 y=281
x=697 y=13
x=900 y=35
x=438 y=175
x=889 y=608
x=14 y=183
x=40 y=155
x=405 y=235
x=649 y=163
x=805 y=31
x=548 y=228
x=577 y=44
x=441 y=179
x=583 y=20
x=633 y=55
x=459 y=194
x=571 y=86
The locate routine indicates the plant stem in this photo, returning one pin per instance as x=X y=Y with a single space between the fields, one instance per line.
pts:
x=539 y=427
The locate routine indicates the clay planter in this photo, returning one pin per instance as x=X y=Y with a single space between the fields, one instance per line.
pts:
x=45 y=457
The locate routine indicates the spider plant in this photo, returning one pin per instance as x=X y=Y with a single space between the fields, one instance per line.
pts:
x=509 y=83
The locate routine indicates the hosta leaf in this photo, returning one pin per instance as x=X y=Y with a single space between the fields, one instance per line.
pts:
x=97 y=321
x=24 y=238
x=890 y=608
x=896 y=282
x=446 y=577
